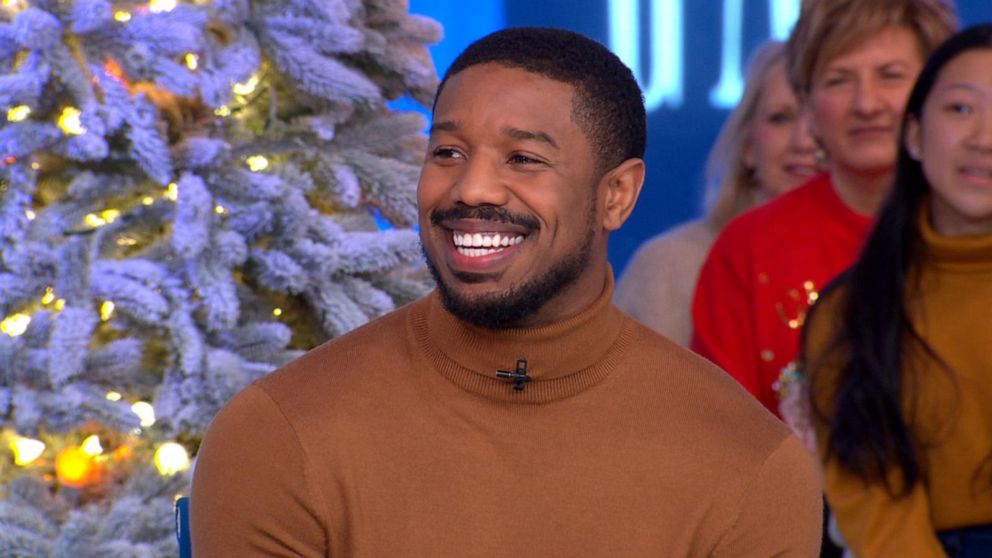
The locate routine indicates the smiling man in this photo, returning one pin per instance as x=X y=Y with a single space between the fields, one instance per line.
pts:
x=515 y=203
x=514 y=411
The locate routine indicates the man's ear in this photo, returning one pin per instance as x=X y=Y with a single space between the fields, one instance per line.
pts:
x=622 y=185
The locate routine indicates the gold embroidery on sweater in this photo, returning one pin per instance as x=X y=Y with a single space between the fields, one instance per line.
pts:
x=792 y=312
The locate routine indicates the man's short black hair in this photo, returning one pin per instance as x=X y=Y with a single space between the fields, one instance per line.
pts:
x=608 y=106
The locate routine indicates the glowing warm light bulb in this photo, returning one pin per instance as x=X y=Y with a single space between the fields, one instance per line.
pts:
x=91 y=445
x=122 y=16
x=257 y=163
x=105 y=217
x=15 y=324
x=247 y=87
x=13 y=5
x=114 y=396
x=35 y=165
x=59 y=304
x=171 y=192
x=159 y=6
x=277 y=312
x=49 y=296
x=29 y=214
x=192 y=60
x=74 y=467
x=26 y=450
x=18 y=113
x=107 y=310
x=70 y=121
x=147 y=200
x=223 y=111
x=145 y=412
x=93 y=220
x=170 y=458
x=220 y=209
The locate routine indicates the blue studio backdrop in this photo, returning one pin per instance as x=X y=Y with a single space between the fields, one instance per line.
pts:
x=688 y=56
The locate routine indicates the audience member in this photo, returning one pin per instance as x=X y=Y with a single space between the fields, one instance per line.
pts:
x=762 y=150
x=852 y=63
x=899 y=349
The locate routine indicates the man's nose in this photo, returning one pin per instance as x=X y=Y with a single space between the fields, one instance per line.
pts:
x=480 y=183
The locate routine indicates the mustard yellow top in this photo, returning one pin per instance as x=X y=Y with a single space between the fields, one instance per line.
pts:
x=952 y=310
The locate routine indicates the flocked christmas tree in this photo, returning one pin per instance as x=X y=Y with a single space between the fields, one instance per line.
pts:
x=190 y=195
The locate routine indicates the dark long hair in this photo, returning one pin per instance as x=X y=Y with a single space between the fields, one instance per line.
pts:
x=869 y=432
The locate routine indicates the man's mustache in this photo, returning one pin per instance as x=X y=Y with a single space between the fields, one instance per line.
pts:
x=484 y=213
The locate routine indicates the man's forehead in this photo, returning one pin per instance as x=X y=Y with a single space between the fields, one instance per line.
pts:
x=526 y=103
x=502 y=77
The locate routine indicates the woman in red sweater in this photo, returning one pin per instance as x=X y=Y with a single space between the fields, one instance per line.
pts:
x=852 y=63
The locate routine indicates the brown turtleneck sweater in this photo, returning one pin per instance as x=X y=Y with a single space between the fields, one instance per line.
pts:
x=398 y=440
x=953 y=408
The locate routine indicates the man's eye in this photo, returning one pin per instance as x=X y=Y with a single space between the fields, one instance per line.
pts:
x=520 y=159
x=445 y=153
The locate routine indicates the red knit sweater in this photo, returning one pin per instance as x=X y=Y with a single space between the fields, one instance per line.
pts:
x=762 y=274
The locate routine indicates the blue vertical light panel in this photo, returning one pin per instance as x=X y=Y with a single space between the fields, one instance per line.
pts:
x=782 y=15
x=729 y=89
x=663 y=82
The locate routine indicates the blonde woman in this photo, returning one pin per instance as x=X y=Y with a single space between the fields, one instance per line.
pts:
x=762 y=150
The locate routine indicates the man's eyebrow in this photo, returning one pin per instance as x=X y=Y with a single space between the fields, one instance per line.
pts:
x=532 y=135
x=443 y=126
x=515 y=133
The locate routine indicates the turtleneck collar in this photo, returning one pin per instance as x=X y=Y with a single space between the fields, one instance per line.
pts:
x=563 y=358
x=965 y=253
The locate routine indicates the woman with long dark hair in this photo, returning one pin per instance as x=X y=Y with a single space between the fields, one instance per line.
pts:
x=899 y=350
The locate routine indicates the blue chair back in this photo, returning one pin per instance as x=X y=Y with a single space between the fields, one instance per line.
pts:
x=182 y=528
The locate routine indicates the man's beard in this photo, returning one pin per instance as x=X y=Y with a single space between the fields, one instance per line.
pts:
x=513 y=307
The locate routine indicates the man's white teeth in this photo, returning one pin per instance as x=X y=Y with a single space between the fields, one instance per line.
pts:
x=476 y=252
x=485 y=240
